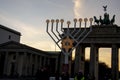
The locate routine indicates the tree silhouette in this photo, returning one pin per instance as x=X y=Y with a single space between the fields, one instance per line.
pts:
x=104 y=71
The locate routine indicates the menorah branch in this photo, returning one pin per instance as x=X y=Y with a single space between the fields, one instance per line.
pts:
x=67 y=39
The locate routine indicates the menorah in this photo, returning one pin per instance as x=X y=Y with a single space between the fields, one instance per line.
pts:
x=68 y=38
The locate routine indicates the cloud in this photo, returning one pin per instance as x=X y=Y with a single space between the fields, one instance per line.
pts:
x=77 y=6
x=26 y=29
x=31 y=35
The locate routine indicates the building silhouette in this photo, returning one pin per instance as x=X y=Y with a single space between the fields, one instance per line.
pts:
x=17 y=59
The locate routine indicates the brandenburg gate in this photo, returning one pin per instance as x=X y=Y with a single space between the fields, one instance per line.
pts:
x=103 y=34
x=107 y=36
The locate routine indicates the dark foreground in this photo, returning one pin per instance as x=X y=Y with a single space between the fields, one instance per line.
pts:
x=51 y=78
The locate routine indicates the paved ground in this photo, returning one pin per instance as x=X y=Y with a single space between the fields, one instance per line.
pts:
x=18 y=79
x=51 y=78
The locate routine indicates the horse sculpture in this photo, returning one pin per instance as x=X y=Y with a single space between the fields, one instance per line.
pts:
x=105 y=21
x=112 y=20
x=96 y=20
x=101 y=21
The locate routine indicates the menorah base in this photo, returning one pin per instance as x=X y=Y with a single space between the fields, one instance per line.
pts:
x=65 y=68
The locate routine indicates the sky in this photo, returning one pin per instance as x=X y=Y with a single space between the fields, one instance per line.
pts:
x=29 y=17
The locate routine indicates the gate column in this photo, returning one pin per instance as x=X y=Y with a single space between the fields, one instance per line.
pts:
x=114 y=61
x=94 y=62
x=79 y=59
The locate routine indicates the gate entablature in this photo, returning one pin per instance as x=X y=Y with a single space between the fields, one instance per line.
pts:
x=106 y=34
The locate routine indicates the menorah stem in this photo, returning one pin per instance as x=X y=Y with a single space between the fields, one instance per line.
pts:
x=52 y=26
x=52 y=21
x=57 y=26
x=74 y=27
x=47 y=27
x=85 y=20
x=68 y=26
x=80 y=25
x=90 y=21
x=66 y=64
x=66 y=59
x=62 y=24
x=72 y=32
x=85 y=24
x=78 y=31
x=47 y=21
